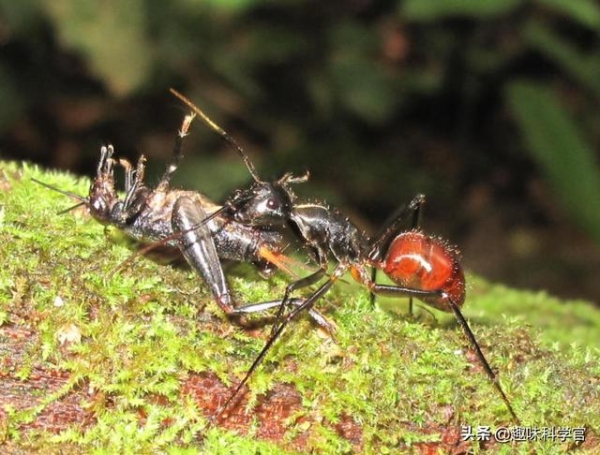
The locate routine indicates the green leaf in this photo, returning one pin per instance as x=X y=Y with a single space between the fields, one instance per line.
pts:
x=111 y=35
x=586 y=12
x=20 y=17
x=583 y=68
x=364 y=89
x=226 y=6
x=430 y=10
x=559 y=148
x=363 y=86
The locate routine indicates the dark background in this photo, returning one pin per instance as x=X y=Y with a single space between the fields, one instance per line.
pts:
x=489 y=107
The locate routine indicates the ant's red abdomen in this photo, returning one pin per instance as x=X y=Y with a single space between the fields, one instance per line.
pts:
x=418 y=261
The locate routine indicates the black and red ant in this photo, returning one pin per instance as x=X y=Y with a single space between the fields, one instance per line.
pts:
x=421 y=266
x=245 y=229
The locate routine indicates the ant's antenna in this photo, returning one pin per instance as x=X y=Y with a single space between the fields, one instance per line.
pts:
x=231 y=141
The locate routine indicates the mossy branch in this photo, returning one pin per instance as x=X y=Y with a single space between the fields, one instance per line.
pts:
x=137 y=361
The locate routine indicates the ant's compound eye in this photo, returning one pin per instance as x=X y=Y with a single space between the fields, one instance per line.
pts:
x=272 y=204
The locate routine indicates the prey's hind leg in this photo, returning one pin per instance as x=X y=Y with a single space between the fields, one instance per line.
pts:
x=198 y=247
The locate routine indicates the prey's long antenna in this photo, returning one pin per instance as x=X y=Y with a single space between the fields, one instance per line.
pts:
x=77 y=197
x=76 y=206
x=231 y=141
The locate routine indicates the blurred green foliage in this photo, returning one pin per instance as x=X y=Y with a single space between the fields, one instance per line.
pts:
x=429 y=10
x=93 y=28
x=380 y=100
x=554 y=140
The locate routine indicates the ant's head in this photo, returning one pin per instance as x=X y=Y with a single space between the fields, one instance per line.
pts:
x=266 y=203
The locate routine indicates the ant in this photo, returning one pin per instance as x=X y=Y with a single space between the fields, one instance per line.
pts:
x=421 y=266
x=186 y=220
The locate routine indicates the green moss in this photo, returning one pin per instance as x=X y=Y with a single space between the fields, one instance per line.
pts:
x=126 y=343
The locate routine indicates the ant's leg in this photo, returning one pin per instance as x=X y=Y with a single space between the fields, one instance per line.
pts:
x=198 y=247
x=307 y=305
x=298 y=284
x=389 y=229
x=486 y=366
x=163 y=184
x=382 y=239
x=392 y=291
x=415 y=224
x=316 y=316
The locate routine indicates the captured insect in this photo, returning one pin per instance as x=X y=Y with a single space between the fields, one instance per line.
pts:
x=421 y=266
x=186 y=220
